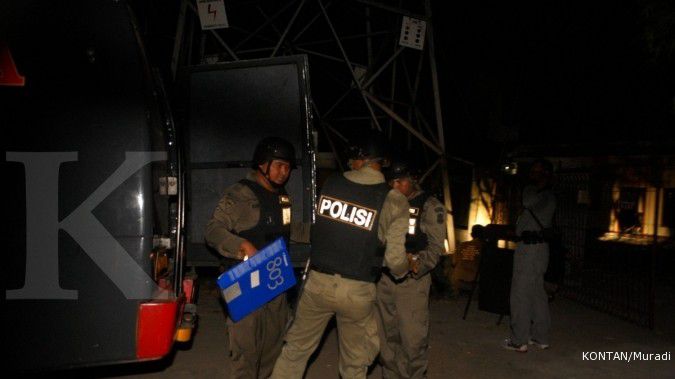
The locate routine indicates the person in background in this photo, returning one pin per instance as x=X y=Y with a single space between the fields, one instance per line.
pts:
x=466 y=260
x=530 y=318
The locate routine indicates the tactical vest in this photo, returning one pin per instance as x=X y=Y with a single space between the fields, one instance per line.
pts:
x=275 y=216
x=344 y=237
x=415 y=239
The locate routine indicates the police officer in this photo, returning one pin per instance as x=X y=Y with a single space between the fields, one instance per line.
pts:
x=530 y=318
x=356 y=215
x=252 y=213
x=403 y=304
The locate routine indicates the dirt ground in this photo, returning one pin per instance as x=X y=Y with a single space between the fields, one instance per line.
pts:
x=458 y=348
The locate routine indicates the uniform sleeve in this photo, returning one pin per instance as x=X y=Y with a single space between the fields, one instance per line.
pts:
x=227 y=218
x=433 y=225
x=392 y=229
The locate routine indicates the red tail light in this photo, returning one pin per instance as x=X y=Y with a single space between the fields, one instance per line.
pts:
x=9 y=76
x=156 y=328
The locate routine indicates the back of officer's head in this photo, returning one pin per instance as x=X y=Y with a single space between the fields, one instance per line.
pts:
x=271 y=148
x=369 y=148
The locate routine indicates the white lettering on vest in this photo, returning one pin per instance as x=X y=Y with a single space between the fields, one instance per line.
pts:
x=346 y=212
x=351 y=215
x=361 y=217
x=370 y=216
x=343 y=216
x=335 y=209
x=325 y=204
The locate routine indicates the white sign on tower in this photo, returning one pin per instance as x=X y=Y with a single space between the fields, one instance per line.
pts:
x=212 y=14
x=412 y=33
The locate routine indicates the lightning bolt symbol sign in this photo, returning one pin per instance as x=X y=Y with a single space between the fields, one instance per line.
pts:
x=214 y=11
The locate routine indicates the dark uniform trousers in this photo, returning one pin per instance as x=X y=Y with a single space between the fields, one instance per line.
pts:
x=404 y=326
x=256 y=340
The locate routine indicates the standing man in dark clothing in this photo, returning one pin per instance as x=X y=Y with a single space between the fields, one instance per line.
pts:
x=403 y=304
x=530 y=318
x=252 y=213
x=360 y=225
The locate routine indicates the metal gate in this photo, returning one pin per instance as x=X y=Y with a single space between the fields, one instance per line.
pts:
x=616 y=277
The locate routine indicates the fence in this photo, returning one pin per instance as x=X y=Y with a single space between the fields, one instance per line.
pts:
x=609 y=272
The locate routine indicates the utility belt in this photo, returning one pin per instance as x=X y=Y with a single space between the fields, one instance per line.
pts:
x=531 y=237
x=387 y=272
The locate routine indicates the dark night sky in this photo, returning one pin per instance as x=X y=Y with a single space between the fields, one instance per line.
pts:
x=531 y=72
x=581 y=71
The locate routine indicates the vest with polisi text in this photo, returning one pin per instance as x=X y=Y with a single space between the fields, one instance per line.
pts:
x=415 y=239
x=275 y=216
x=344 y=238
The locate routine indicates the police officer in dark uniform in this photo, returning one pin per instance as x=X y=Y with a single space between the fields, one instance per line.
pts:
x=360 y=223
x=403 y=303
x=252 y=213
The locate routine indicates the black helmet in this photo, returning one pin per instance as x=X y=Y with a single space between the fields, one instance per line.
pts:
x=371 y=146
x=274 y=148
x=400 y=169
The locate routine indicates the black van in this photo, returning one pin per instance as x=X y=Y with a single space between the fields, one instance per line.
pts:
x=107 y=197
x=94 y=191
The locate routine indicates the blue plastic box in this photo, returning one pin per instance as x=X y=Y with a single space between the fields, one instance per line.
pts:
x=253 y=283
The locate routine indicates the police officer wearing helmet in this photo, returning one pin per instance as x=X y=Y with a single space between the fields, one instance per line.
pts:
x=403 y=304
x=252 y=213
x=360 y=223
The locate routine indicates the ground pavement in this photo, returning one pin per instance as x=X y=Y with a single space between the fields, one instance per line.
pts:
x=458 y=348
